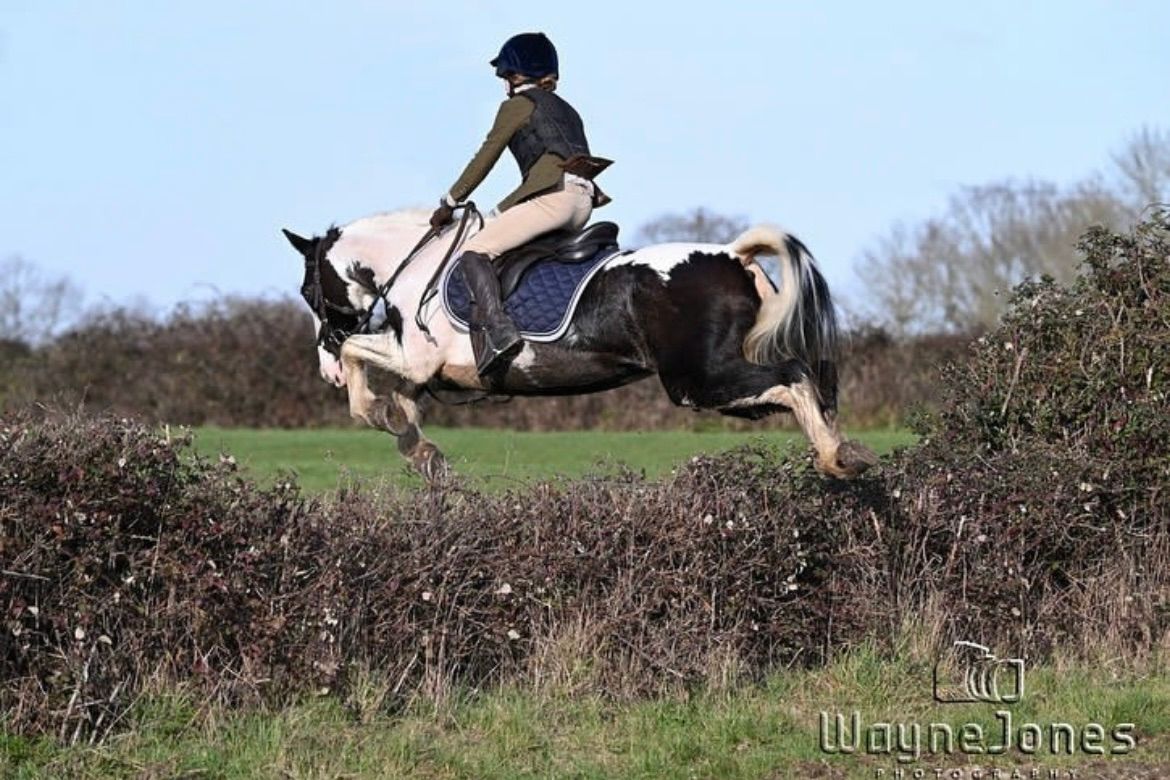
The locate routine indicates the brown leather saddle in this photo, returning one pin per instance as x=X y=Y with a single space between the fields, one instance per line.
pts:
x=564 y=246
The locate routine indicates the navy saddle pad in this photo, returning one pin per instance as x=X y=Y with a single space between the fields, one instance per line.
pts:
x=543 y=302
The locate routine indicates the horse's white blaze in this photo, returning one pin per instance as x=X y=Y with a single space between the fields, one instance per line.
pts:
x=328 y=366
x=331 y=370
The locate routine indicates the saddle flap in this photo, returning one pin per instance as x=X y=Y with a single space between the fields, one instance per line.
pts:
x=566 y=246
x=543 y=303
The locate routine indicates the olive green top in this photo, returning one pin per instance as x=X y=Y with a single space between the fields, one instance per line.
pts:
x=545 y=175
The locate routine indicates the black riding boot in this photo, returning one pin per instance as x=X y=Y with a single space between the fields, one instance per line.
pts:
x=494 y=336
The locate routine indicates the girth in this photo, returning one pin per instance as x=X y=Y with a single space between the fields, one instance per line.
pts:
x=566 y=246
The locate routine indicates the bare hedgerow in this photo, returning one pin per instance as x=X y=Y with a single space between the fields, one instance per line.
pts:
x=127 y=560
x=1041 y=484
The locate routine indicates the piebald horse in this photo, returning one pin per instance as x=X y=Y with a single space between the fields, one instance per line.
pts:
x=704 y=317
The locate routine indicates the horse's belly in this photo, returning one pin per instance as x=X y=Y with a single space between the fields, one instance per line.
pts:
x=547 y=369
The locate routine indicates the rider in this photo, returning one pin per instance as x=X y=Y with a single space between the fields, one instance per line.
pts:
x=547 y=138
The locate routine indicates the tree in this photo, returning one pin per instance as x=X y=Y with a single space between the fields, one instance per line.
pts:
x=33 y=306
x=700 y=226
x=1144 y=167
x=951 y=272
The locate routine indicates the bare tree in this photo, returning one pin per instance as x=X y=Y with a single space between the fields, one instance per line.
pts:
x=699 y=225
x=1144 y=167
x=951 y=272
x=33 y=306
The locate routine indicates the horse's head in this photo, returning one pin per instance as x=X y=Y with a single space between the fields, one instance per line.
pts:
x=344 y=271
x=329 y=296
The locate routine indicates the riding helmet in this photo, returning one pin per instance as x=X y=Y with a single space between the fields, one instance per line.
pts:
x=528 y=54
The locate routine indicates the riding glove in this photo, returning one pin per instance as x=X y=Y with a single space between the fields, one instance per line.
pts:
x=444 y=215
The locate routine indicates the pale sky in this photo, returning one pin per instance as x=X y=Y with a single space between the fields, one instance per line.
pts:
x=152 y=151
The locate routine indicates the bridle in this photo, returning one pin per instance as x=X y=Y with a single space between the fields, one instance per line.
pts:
x=331 y=335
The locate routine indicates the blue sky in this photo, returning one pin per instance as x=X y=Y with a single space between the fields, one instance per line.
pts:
x=151 y=151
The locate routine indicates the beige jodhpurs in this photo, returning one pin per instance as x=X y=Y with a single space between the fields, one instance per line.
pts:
x=567 y=208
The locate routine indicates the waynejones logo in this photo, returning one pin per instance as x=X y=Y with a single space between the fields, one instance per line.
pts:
x=971 y=673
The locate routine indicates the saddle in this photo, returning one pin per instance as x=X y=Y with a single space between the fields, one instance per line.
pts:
x=565 y=246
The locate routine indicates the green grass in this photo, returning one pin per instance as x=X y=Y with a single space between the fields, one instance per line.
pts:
x=768 y=730
x=496 y=459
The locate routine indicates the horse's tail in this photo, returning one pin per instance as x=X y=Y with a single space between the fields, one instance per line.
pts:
x=799 y=320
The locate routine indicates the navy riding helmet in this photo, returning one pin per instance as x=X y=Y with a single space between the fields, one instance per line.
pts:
x=528 y=54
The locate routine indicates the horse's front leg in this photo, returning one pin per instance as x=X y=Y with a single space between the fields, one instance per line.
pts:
x=422 y=453
x=397 y=414
x=361 y=397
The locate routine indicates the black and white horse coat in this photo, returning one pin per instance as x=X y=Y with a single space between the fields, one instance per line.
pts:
x=703 y=317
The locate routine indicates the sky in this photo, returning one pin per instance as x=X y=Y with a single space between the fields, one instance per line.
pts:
x=152 y=151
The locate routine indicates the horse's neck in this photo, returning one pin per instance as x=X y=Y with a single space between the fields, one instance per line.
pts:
x=384 y=242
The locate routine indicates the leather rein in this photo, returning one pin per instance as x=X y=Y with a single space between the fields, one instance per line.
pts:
x=330 y=336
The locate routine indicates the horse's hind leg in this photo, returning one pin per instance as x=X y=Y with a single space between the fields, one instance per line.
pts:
x=698 y=342
x=836 y=455
x=744 y=389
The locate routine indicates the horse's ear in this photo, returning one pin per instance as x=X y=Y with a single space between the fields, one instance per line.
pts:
x=300 y=243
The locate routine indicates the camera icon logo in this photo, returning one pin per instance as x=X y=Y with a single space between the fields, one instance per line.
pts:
x=970 y=672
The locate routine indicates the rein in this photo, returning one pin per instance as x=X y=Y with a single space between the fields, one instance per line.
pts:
x=432 y=288
x=331 y=337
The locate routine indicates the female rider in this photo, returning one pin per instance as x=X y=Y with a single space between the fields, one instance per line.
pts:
x=547 y=138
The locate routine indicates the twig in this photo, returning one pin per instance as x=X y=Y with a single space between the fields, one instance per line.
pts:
x=402 y=677
x=23 y=574
x=1015 y=378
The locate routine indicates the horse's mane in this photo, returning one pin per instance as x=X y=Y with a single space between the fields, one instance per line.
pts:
x=380 y=241
x=378 y=223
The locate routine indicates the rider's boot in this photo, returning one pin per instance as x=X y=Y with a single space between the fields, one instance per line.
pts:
x=494 y=336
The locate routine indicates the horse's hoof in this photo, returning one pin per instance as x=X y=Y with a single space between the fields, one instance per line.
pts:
x=854 y=458
x=430 y=462
x=390 y=417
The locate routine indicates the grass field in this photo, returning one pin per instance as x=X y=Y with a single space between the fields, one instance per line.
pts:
x=767 y=731
x=494 y=458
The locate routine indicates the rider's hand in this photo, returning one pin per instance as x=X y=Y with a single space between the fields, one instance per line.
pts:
x=444 y=215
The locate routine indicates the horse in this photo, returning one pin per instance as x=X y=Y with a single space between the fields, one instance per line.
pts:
x=706 y=318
